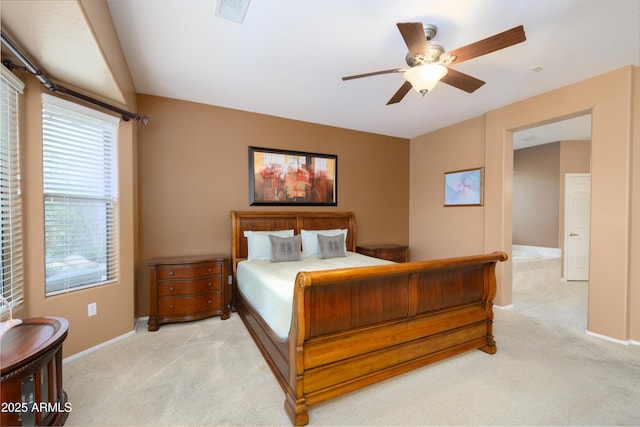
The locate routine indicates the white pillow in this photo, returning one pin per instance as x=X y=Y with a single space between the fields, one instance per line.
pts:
x=310 y=239
x=258 y=244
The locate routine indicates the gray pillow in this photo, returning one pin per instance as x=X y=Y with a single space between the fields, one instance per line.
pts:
x=285 y=248
x=331 y=246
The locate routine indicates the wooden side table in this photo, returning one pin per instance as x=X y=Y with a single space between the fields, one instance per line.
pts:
x=31 y=367
x=188 y=288
x=391 y=252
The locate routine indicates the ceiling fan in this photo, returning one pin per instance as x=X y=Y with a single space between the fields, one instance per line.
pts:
x=428 y=63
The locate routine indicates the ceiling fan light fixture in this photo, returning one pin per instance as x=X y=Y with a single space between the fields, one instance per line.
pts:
x=424 y=78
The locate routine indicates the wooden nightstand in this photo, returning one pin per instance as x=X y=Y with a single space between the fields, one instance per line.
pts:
x=188 y=288
x=391 y=252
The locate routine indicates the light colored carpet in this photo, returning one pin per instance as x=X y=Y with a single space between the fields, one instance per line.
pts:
x=563 y=303
x=546 y=372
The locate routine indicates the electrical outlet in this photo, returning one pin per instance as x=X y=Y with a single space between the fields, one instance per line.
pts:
x=92 y=309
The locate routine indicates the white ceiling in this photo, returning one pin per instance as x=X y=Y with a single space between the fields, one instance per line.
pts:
x=288 y=56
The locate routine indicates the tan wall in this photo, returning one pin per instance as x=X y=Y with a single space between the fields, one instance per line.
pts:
x=193 y=170
x=438 y=231
x=634 y=276
x=611 y=99
x=536 y=183
x=114 y=301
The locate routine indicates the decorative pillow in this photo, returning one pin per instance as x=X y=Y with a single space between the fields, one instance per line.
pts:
x=310 y=239
x=285 y=248
x=258 y=245
x=331 y=246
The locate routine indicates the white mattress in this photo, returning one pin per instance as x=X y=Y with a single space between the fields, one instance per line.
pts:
x=268 y=286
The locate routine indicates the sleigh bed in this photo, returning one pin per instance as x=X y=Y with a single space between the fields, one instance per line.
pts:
x=350 y=327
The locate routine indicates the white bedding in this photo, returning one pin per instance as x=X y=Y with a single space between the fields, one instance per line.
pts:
x=268 y=286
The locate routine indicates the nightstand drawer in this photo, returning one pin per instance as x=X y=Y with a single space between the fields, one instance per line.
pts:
x=188 y=271
x=189 y=305
x=189 y=287
x=390 y=252
x=393 y=256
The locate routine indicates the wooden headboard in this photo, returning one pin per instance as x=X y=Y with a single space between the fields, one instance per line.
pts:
x=266 y=221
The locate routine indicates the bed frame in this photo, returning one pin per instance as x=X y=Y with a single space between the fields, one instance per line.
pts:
x=357 y=326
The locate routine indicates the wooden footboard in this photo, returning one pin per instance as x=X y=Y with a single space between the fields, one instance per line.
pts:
x=354 y=327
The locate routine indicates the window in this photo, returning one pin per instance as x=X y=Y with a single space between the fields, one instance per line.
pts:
x=10 y=197
x=80 y=196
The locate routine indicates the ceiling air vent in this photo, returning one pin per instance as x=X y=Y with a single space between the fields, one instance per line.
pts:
x=233 y=10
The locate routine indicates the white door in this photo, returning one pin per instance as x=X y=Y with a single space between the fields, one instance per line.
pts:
x=577 y=214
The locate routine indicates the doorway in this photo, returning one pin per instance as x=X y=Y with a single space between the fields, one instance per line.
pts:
x=543 y=157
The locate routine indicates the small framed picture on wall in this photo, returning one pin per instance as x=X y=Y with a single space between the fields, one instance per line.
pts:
x=464 y=187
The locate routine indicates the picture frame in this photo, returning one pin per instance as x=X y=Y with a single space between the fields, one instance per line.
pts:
x=292 y=178
x=464 y=187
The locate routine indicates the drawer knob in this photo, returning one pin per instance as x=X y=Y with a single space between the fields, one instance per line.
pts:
x=209 y=284
x=209 y=301
x=171 y=273
x=209 y=270
x=171 y=288
x=171 y=307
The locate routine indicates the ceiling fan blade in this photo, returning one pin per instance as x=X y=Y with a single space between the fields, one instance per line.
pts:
x=461 y=81
x=490 y=44
x=413 y=35
x=375 y=73
x=397 y=97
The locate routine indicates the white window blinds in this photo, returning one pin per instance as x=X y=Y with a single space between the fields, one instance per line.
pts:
x=80 y=195
x=10 y=196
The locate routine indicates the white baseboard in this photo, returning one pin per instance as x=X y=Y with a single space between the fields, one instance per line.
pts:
x=97 y=347
x=140 y=320
x=610 y=339
x=137 y=321
x=504 y=307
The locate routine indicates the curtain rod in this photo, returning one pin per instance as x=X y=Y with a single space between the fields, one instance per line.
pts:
x=33 y=69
